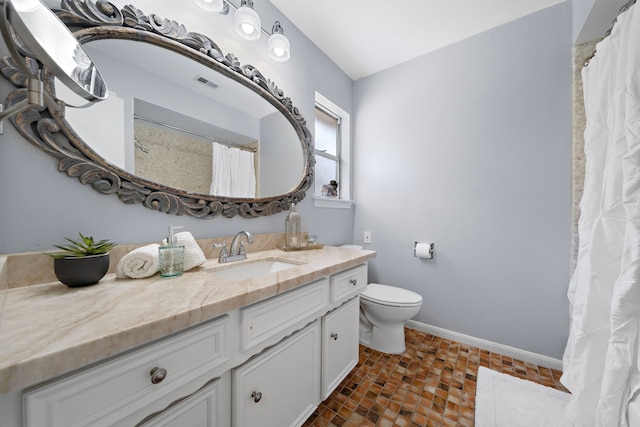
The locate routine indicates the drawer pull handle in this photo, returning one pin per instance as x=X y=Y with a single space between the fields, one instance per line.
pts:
x=256 y=396
x=334 y=336
x=353 y=282
x=158 y=375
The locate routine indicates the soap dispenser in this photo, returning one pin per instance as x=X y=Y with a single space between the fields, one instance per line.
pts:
x=171 y=255
x=292 y=228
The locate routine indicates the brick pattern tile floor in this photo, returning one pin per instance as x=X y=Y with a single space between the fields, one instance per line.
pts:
x=433 y=383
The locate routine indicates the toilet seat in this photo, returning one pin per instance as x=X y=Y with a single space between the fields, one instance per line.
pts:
x=390 y=296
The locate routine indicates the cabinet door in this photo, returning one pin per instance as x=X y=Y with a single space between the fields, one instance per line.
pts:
x=280 y=387
x=201 y=409
x=339 y=344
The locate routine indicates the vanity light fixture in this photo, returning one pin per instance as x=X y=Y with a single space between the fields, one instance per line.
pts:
x=278 y=46
x=214 y=6
x=246 y=21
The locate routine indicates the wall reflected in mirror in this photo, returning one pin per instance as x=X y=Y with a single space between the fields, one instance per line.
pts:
x=188 y=158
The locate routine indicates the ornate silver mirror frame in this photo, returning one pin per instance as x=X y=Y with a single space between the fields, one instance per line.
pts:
x=47 y=128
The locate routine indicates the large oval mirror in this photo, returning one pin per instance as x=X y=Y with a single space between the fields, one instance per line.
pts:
x=186 y=129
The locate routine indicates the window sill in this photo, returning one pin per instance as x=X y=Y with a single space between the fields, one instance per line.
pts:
x=328 y=202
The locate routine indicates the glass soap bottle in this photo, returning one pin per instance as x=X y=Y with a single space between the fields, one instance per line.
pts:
x=171 y=255
x=292 y=228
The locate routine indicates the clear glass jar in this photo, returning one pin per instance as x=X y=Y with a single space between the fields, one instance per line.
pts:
x=292 y=236
x=171 y=260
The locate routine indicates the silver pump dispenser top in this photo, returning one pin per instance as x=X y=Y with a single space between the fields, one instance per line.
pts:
x=172 y=239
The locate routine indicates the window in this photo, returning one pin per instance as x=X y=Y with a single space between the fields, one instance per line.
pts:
x=332 y=154
x=327 y=144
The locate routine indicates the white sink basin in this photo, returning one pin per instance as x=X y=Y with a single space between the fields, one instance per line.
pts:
x=246 y=270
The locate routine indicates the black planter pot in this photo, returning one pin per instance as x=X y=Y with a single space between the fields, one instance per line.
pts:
x=81 y=271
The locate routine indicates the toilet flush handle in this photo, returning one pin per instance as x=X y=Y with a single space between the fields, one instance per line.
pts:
x=334 y=336
x=353 y=281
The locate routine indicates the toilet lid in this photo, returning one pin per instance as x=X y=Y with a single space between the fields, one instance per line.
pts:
x=390 y=295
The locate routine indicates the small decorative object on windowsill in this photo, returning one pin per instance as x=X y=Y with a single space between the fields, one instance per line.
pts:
x=330 y=190
x=82 y=262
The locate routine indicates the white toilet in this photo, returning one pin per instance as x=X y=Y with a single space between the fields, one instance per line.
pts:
x=383 y=311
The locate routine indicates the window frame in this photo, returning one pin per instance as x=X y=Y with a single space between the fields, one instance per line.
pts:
x=343 y=148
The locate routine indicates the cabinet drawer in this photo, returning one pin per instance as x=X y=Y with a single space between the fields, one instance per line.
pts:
x=348 y=283
x=104 y=394
x=280 y=315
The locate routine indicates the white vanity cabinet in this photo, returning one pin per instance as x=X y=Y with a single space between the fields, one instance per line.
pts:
x=284 y=384
x=266 y=364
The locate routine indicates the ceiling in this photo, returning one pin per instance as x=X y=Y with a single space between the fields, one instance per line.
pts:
x=366 y=36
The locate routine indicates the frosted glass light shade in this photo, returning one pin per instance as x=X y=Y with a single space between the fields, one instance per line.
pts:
x=247 y=23
x=215 y=6
x=279 y=47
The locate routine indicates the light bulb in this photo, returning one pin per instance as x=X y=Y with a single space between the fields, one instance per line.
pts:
x=215 y=6
x=26 y=5
x=246 y=21
x=247 y=28
x=278 y=46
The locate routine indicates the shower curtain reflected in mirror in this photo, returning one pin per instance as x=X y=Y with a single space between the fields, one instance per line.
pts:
x=233 y=172
x=602 y=355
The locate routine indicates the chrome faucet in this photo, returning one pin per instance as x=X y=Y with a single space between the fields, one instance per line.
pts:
x=238 y=251
x=222 y=257
x=237 y=247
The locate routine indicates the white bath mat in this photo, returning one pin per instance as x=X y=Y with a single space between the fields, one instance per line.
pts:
x=506 y=401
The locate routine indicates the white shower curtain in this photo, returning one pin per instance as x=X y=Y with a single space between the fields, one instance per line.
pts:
x=233 y=172
x=601 y=365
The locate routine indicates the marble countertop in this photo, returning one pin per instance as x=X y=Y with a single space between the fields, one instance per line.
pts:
x=49 y=329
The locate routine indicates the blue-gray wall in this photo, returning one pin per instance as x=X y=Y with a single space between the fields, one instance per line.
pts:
x=592 y=18
x=38 y=205
x=469 y=147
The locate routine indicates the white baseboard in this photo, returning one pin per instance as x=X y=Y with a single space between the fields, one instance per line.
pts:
x=516 y=353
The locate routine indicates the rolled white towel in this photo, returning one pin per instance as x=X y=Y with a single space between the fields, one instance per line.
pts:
x=193 y=255
x=139 y=263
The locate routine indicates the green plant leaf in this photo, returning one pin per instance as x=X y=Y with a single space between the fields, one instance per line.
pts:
x=85 y=246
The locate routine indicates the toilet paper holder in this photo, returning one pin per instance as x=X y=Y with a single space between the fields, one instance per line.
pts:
x=430 y=250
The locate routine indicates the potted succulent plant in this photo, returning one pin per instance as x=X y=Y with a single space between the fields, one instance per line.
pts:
x=82 y=262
